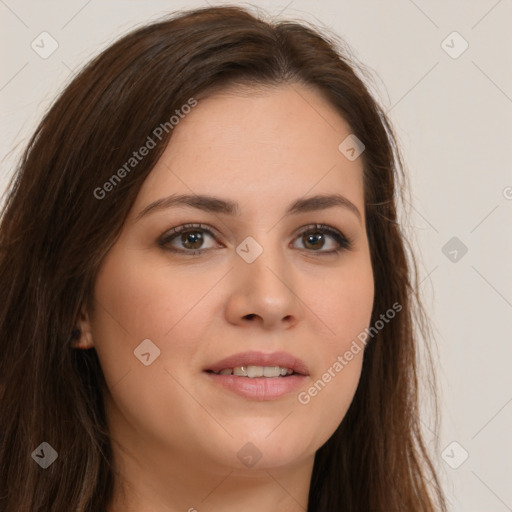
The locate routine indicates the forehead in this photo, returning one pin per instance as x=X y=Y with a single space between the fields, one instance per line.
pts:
x=280 y=142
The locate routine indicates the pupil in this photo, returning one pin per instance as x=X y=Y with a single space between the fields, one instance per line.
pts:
x=192 y=237
x=315 y=238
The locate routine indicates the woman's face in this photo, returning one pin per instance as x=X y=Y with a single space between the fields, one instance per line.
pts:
x=264 y=282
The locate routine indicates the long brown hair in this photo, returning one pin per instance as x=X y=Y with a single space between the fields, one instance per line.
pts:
x=55 y=231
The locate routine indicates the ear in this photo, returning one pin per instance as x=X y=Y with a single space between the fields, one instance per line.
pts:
x=83 y=338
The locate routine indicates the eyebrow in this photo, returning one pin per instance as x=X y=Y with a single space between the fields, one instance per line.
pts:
x=216 y=205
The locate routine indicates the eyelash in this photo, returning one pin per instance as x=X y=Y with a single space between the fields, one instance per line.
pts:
x=344 y=242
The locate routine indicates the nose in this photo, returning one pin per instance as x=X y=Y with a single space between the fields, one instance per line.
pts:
x=262 y=292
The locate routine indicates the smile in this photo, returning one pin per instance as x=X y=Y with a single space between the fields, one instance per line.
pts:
x=252 y=371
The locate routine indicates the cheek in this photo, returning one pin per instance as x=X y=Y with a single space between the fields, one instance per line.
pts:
x=345 y=305
x=343 y=300
x=147 y=300
x=135 y=302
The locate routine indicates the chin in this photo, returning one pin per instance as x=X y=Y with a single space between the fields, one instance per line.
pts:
x=267 y=448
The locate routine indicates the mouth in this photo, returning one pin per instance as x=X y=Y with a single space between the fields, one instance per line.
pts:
x=252 y=372
x=259 y=376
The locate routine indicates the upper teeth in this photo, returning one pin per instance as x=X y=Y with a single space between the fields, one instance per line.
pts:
x=256 y=371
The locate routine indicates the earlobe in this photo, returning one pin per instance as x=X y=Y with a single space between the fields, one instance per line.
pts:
x=81 y=337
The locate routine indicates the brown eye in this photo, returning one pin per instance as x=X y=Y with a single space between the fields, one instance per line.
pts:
x=314 y=241
x=194 y=238
x=187 y=239
x=323 y=239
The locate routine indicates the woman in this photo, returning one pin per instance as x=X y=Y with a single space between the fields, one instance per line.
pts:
x=206 y=297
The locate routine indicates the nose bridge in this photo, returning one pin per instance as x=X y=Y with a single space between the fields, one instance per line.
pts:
x=260 y=260
x=262 y=277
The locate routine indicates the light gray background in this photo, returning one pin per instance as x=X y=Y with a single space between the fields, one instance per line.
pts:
x=453 y=118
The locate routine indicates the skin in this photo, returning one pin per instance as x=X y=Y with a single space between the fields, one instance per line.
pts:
x=176 y=434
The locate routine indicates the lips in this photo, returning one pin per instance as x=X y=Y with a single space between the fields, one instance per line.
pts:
x=241 y=374
x=254 y=358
